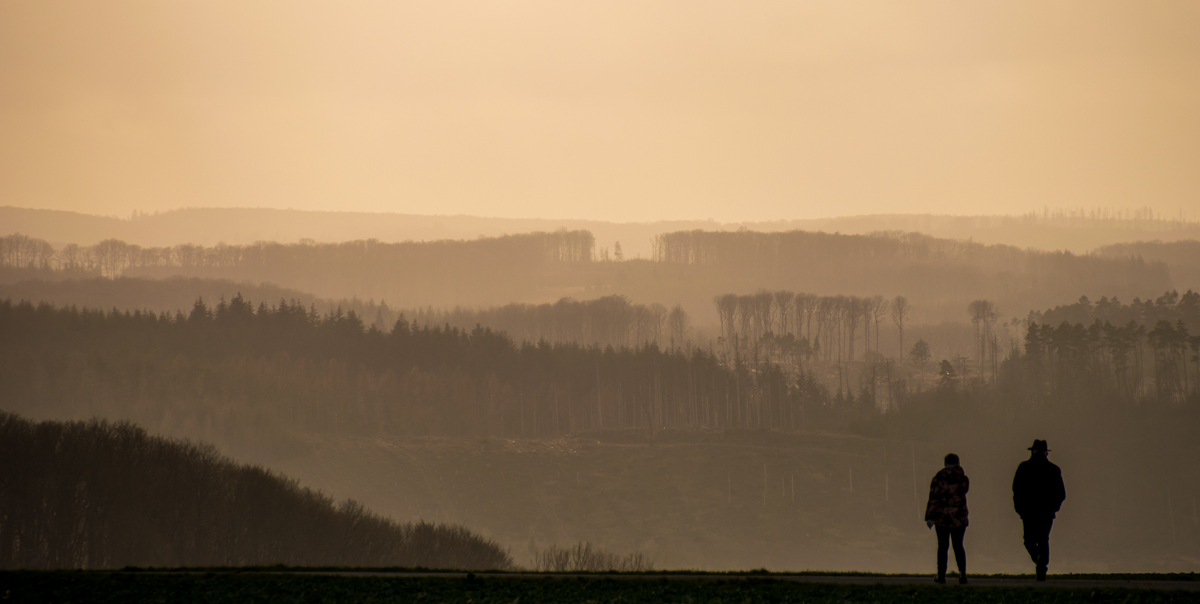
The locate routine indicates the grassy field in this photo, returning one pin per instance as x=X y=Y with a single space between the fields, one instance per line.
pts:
x=817 y=502
x=216 y=587
x=754 y=500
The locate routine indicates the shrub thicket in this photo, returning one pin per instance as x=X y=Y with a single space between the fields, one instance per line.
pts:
x=583 y=557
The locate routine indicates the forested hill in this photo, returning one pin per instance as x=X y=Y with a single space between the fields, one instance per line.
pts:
x=1181 y=257
x=232 y=371
x=108 y=495
x=164 y=295
x=482 y=271
x=236 y=371
x=1171 y=307
x=940 y=277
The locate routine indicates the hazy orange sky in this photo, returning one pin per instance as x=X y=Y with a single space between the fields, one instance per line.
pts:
x=609 y=110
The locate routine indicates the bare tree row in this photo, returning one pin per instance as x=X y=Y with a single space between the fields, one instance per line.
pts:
x=824 y=327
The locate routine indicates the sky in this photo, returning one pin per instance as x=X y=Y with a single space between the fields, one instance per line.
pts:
x=614 y=110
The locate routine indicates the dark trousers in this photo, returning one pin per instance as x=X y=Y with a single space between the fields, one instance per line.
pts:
x=1037 y=540
x=945 y=536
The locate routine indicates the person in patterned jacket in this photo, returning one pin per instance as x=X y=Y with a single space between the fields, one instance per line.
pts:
x=947 y=511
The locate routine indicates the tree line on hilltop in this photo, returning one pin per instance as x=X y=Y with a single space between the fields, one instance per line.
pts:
x=939 y=276
x=107 y=495
x=806 y=330
x=496 y=269
x=781 y=324
x=605 y=321
x=1133 y=348
x=112 y=257
x=1114 y=351
x=238 y=369
x=1181 y=257
x=608 y=320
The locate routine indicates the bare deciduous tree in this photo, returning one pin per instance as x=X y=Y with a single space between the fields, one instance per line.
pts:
x=727 y=307
x=879 y=308
x=899 y=314
x=677 y=323
x=983 y=316
x=784 y=302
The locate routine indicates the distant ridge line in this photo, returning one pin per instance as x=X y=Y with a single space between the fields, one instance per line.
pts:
x=1078 y=231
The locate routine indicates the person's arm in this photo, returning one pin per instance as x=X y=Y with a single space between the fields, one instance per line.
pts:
x=938 y=490
x=931 y=505
x=1018 y=488
x=1060 y=491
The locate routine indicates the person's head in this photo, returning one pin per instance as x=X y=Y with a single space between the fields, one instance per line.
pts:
x=1039 y=449
x=951 y=460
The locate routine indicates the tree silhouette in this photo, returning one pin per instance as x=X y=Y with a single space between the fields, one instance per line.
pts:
x=920 y=354
x=899 y=310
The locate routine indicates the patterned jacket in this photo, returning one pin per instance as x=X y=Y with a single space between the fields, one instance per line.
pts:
x=947 y=506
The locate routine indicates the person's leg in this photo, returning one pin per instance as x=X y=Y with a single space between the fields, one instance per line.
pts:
x=1044 y=546
x=960 y=553
x=1031 y=538
x=1037 y=543
x=943 y=537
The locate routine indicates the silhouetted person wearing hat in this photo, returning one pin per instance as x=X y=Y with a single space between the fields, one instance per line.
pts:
x=1038 y=493
x=947 y=510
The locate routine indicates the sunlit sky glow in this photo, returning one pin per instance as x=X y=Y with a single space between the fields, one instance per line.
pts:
x=609 y=110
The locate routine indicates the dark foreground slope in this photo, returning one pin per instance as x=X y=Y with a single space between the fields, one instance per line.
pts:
x=103 y=495
x=305 y=587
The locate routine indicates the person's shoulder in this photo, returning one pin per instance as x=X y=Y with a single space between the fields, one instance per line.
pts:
x=1052 y=467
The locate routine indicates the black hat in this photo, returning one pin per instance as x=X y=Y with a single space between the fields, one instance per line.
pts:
x=1039 y=445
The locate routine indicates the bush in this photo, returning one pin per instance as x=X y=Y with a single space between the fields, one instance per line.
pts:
x=584 y=557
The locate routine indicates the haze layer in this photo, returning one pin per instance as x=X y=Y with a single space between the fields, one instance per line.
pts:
x=613 y=111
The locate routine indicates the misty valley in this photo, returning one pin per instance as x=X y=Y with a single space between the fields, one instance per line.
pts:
x=525 y=402
x=815 y=302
